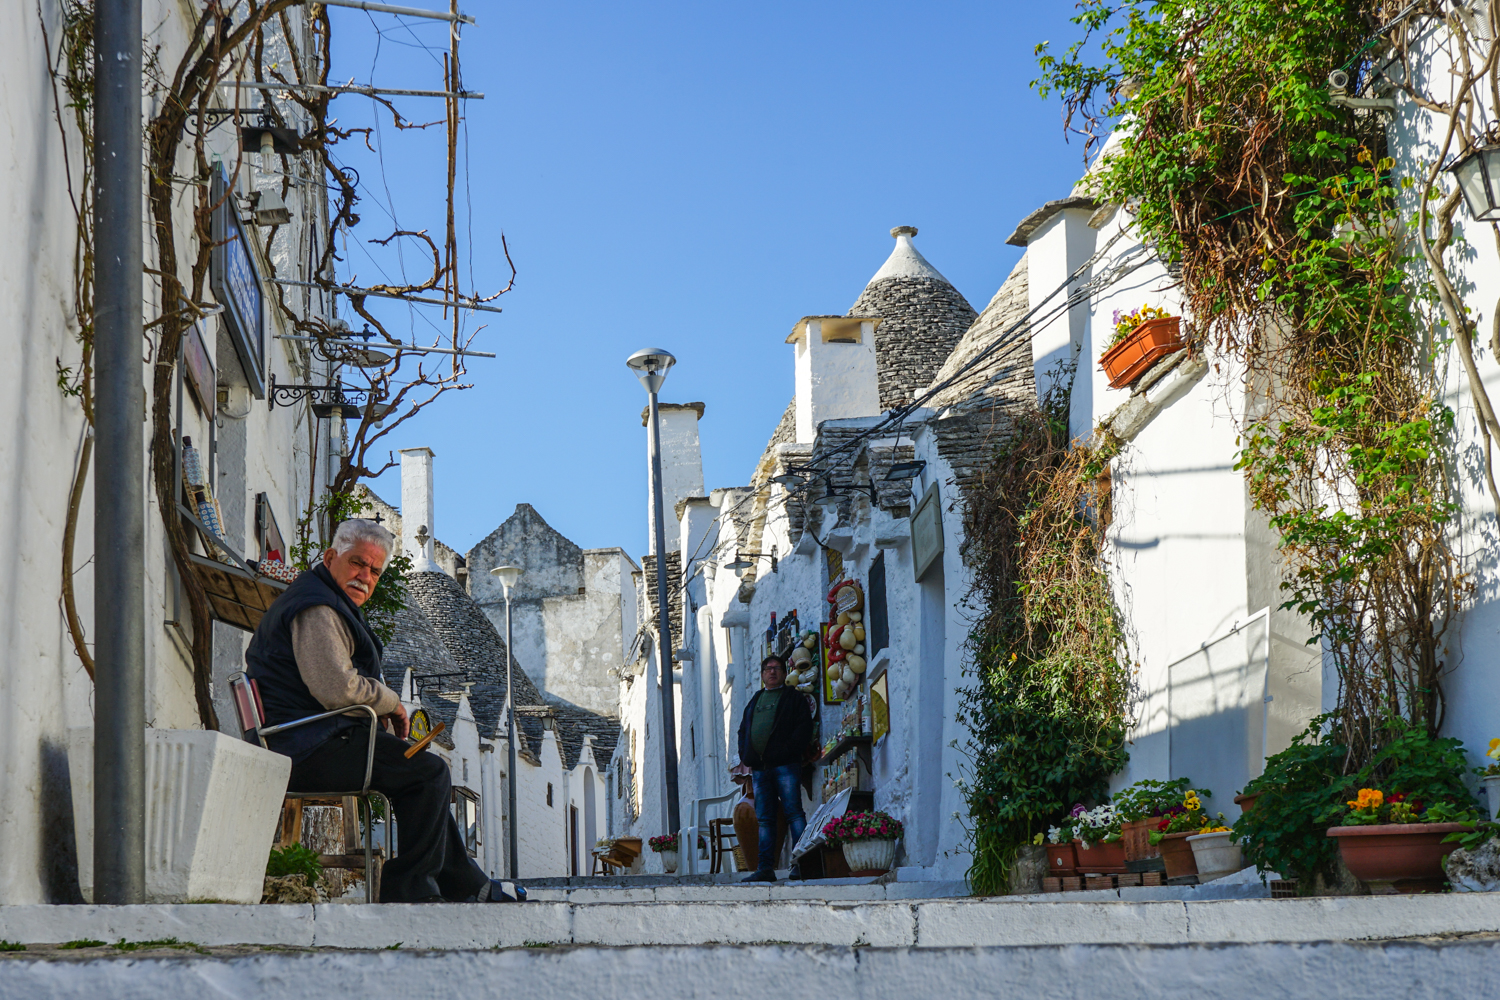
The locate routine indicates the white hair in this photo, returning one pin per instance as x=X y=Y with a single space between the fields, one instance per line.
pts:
x=357 y=529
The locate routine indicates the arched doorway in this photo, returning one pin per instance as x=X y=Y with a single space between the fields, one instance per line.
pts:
x=590 y=812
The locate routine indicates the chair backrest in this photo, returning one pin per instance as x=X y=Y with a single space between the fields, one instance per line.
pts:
x=248 y=709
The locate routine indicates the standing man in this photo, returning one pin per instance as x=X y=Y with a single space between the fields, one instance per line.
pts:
x=774 y=733
x=314 y=652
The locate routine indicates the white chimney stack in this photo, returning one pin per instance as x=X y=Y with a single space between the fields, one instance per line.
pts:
x=681 y=462
x=835 y=370
x=417 y=528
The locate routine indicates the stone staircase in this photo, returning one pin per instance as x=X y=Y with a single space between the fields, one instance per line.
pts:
x=719 y=939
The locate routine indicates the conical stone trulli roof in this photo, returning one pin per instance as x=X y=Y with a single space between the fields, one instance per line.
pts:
x=925 y=317
x=467 y=633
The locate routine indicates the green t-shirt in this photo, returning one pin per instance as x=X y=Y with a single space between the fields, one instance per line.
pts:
x=764 y=719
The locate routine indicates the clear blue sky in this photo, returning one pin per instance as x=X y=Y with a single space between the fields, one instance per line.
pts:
x=694 y=176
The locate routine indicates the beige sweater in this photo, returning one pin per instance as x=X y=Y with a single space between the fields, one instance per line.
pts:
x=325 y=650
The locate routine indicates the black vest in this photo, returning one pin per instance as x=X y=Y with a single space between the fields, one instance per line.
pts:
x=271 y=661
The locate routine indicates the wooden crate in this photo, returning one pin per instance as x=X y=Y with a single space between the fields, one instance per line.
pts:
x=1052 y=883
x=1153 y=878
x=1072 y=883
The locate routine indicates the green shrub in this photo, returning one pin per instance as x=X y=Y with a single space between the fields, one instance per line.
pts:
x=294 y=859
x=1302 y=788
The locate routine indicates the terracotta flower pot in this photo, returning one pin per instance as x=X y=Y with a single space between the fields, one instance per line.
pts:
x=1177 y=854
x=1061 y=860
x=1397 y=857
x=1246 y=802
x=1101 y=859
x=1136 y=836
x=1153 y=340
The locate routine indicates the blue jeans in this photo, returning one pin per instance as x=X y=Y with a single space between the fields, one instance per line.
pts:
x=777 y=784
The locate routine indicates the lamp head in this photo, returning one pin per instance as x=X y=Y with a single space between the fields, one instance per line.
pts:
x=832 y=498
x=1478 y=175
x=740 y=562
x=507 y=575
x=650 y=365
x=788 y=479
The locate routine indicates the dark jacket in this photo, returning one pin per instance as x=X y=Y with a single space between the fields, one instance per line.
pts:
x=790 y=735
x=271 y=662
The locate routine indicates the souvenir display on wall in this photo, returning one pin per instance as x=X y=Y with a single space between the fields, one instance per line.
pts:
x=843 y=639
x=201 y=501
x=805 y=665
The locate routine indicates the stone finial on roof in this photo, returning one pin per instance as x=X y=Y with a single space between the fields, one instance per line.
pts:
x=924 y=317
x=906 y=261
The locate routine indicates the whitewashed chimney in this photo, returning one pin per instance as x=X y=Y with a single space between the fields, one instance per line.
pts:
x=681 y=464
x=835 y=370
x=417 y=509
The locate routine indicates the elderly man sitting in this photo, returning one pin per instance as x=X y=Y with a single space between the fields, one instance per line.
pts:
x=314 y=652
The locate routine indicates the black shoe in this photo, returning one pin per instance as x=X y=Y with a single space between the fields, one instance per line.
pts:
x=764 y=875
x=505 y=892
x=795 y=874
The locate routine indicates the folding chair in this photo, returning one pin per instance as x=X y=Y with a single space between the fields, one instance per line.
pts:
x=250 y=711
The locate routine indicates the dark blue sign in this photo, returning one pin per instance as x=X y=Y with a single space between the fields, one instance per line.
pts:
x=236 y=284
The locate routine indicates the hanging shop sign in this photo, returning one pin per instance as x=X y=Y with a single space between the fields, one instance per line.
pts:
x=927 y=532
x=236 y=283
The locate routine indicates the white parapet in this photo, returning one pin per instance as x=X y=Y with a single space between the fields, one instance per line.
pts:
x=212 y=803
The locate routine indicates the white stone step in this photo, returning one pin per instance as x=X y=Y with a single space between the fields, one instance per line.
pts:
x=920 y=924
x=1431 y=968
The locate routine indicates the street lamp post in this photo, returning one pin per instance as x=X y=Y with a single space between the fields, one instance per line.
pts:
x=651 y=365
x=508 y=575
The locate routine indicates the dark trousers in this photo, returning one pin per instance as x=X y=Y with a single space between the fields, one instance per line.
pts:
x=431 y=859
x=777 y=785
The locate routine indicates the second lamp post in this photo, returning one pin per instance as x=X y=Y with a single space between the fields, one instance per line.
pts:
x=508 y=575
x=651 y=365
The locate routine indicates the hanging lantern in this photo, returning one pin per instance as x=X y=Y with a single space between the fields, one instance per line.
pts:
x=1478 y=176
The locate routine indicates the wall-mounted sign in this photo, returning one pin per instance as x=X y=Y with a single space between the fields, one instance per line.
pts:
x=199 y=369
x=421 y=724
x=236 y=283
x=927 y=532
x=880 y=708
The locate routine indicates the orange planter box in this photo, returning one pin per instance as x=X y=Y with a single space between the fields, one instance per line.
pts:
x=1136 y=836
x=1143 y=347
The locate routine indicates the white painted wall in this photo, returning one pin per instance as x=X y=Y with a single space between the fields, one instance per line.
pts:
x=41 y=679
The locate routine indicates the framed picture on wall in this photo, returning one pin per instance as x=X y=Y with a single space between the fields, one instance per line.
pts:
x=880 y=708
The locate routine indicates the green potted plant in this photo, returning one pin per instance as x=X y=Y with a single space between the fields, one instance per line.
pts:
x=666 y=846
x=1411 y=797
x=1062 y=856
x=1395 y=843
x=1283 y=830
x=1096 y=835
x=868 y=840
x=1141 y=807
x=1215 y=854
x=1180 y=822
x=1141 y=338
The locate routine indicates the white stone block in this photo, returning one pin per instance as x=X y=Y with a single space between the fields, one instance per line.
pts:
x=927 y=890
x=887 y=925
x=642 y=894
x=753 y=892
x=833 y=893
x=1340 y=918
x=980 y=924
x=212 y=804
x=204 y=923
x=442 y=925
